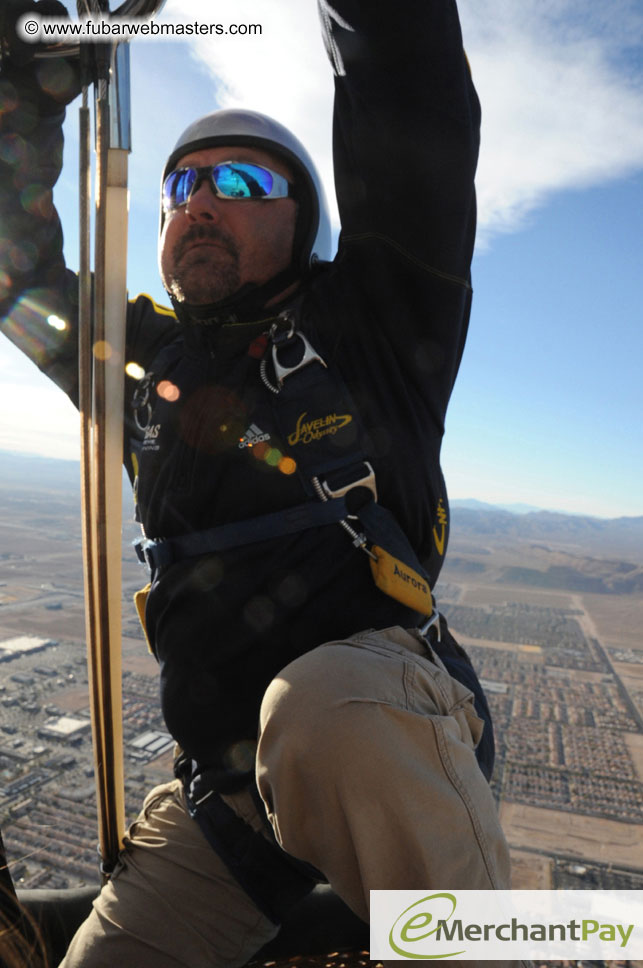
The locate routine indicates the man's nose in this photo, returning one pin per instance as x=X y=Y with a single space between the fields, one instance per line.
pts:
x=203 y=204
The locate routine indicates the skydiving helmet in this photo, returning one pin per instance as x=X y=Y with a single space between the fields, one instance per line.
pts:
x=312 y=242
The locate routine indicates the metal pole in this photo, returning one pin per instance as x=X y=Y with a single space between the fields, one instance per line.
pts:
x=102 y=366
x=101 y=347
x=109 y=370
x=89 y=509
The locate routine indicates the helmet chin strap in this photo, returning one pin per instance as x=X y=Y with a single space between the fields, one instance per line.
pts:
x=243 y=305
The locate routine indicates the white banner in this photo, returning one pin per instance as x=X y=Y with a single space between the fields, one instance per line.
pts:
x=506 y=925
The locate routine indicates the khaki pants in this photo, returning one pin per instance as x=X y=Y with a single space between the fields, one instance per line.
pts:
x=366 y=766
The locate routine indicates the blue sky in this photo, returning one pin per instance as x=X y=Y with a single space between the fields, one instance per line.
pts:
x=547 y=408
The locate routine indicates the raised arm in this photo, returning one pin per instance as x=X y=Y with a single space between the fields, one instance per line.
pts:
x=38 y=303
x=406 y=129
x=38 y=294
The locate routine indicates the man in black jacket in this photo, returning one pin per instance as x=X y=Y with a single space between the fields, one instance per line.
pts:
x=281 y=395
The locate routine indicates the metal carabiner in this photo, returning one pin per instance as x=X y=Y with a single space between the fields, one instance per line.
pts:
x=141 y=401
x=432 y=622
x=310 y=355
x=281 y=338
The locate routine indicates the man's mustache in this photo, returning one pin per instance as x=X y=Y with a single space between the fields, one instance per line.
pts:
x=201 y=233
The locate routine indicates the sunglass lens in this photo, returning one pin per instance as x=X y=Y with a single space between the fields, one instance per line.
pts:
x=242 y=181
x=177 y=187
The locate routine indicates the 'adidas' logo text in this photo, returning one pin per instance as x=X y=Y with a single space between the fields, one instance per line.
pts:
x=252 y=436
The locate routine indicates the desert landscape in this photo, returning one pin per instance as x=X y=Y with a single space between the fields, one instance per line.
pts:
x=550 y=608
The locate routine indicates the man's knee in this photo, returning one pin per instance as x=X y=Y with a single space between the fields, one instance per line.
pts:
x=341 y=715
x=327 y=715
x=313 y=734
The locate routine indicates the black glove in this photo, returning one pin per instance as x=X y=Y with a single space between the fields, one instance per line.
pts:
x=47 y=84
x=14 y=48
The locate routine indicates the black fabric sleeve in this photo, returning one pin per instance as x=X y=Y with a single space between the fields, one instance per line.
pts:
x=38 y=295
x=406 y=127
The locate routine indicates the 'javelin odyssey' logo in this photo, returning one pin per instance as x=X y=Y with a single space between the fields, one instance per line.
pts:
x=308 y=430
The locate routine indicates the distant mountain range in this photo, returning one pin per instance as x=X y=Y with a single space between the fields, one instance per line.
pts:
x=39 y=473
x=547 y=525
x=474 y=505
x=618 y=539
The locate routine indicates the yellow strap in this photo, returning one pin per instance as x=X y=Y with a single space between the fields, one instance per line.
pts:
x=402 y=583
x=140 y=601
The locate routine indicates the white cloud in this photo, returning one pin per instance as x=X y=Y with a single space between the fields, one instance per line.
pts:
x=560 y=87
x=560 y=108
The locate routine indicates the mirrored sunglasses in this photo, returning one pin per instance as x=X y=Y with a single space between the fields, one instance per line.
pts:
x=230 y=179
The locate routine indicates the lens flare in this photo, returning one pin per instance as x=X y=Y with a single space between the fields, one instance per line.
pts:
x=24 y=256
x=168 y=391
x=8 y=97
x=13 y=149
x=135 y=371
x=273 y=457
x=57 y=323
x=102 y=350
x=287 y=465
x=57 y=78
x=260 y=450
x=26 y=325
x=37 y=200
x=241 y=756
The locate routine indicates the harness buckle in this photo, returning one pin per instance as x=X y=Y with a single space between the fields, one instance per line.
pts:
x=153 y=553
x=433 y=622
x=140 y=550
x=310 y=355
x=149 y=557
x=367 y=480
x=145 y=552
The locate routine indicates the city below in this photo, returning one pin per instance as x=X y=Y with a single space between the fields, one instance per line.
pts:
x=561 y=662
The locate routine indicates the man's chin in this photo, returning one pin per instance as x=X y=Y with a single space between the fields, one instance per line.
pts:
x=210 y=287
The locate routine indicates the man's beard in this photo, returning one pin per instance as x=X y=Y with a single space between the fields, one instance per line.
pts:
x=204 y=275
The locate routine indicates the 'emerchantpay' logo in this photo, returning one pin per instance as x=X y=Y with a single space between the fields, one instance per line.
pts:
x=503 y=925
x=423 y=920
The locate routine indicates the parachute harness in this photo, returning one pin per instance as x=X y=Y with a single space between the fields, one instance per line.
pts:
x=333 y=469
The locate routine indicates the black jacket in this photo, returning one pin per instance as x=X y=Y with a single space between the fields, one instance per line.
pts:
x=391 y=313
